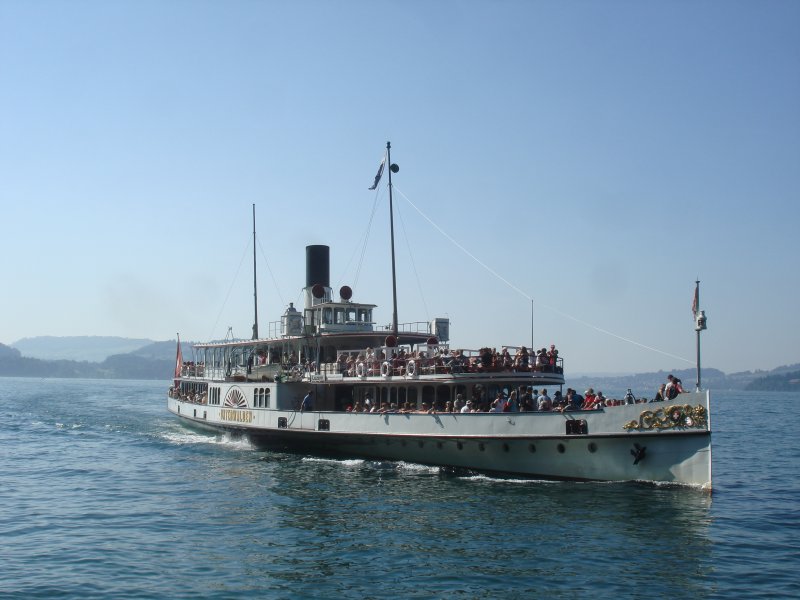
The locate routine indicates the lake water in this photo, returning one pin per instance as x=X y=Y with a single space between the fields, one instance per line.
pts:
x=105 y=495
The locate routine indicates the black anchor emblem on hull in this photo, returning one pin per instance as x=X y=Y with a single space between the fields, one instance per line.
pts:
x=638 y=453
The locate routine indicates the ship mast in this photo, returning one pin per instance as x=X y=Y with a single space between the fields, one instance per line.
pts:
x=392 y=169
x=255 y=288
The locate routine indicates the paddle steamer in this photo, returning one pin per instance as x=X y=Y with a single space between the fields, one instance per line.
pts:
x=306 y=387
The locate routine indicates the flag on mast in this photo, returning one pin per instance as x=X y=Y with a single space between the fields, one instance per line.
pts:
x=380 y=173
x=696 y=300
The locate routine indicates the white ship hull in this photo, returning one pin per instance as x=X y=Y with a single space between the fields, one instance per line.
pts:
x=661 y=442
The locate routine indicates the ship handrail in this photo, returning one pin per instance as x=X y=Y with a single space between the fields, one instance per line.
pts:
x=424 y=365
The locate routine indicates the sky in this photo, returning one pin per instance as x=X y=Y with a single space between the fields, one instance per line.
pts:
x=568 y=170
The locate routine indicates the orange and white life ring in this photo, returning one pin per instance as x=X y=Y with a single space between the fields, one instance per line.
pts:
x=386 y=369
x=361 y=369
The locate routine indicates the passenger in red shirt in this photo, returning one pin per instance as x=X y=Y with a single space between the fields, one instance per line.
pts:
x=589 y=400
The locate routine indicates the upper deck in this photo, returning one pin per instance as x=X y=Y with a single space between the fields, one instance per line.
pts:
x=258 y=360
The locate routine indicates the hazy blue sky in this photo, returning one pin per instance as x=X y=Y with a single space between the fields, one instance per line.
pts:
x=599 y=156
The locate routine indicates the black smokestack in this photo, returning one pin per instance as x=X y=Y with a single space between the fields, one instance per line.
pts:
x=318 y=266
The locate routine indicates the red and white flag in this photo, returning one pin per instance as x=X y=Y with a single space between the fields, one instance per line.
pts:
x=178 y=361
x=696 y=300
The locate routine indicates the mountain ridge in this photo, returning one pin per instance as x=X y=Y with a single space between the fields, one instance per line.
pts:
x=148 y=359
x=93 y=348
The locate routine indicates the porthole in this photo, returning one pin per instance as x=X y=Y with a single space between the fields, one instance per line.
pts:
x=421 y=444
x=460 y=446
x=439 y=445
x=481 y=446
x=403 y=443
x=506 y=448
x=532 y=448
x=592 y=447
x=561 y=449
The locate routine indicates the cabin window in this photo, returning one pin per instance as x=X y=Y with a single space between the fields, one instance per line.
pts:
x=261 y=397
x=351 y=314
x=327 y=315
x=339 y=316
x=213 y=396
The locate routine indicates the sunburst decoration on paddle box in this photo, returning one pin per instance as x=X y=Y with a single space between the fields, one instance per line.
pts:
x=235 y=398
x=670 y=417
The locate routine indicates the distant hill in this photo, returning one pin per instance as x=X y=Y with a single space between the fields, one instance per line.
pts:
x=153 y=361
x=782 y=379
x=163 y=350
x=89 y=348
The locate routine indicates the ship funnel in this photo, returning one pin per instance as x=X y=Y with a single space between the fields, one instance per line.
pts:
x=317 y=275
x=318 y=266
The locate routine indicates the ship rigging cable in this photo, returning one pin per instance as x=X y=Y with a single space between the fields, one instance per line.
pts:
x=271 y=274
x=364 y=244
x=528 y=296
x=230 y=289
x=413 y=264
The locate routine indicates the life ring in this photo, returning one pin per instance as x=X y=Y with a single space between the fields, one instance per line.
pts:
x=386 y=369
x=411 y=368
x=361 y=369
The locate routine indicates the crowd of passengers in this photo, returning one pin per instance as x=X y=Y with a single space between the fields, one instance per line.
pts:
x=196 y=397
x=527 y=400
x=487 y=360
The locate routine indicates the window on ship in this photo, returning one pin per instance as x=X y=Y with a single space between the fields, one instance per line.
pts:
x=261 y=397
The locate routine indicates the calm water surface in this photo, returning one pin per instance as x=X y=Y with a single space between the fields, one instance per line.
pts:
x=105 y=495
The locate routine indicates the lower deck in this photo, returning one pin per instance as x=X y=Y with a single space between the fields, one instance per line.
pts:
x=657 y=442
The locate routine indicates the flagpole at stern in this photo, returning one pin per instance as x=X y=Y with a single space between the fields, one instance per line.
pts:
x=699 y=325
x=255 y=286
